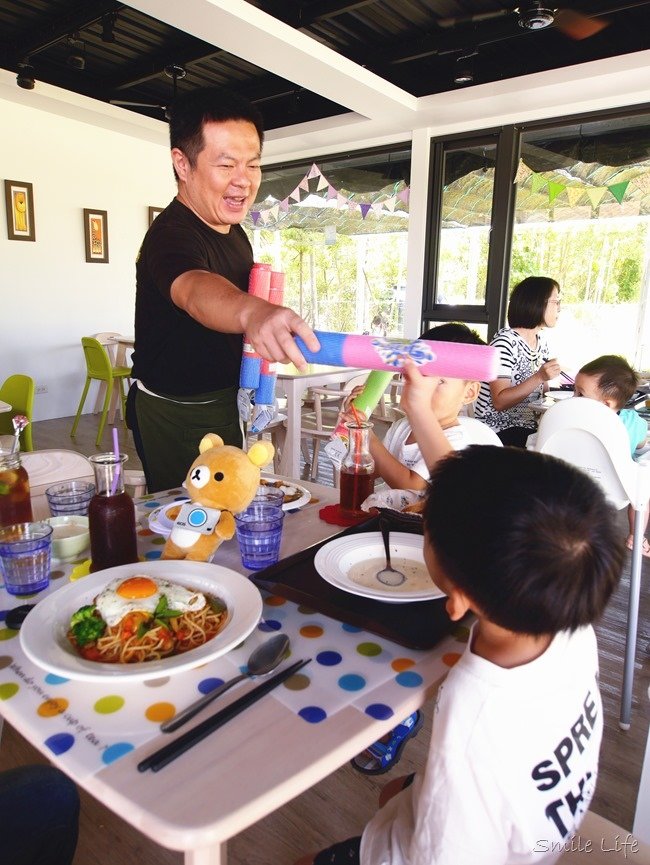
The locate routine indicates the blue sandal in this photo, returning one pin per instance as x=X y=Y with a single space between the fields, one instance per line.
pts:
x=384 y=754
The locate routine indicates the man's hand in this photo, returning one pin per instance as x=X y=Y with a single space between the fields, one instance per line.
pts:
x=271 y=330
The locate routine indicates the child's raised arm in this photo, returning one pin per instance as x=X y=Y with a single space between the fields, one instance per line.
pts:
x=416 y=402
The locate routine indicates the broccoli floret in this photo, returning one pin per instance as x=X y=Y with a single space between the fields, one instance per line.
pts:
x=82 y=613
x=88 y=630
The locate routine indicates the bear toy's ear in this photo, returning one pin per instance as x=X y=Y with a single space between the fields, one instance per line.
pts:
x=211 y=440
x=261 y=453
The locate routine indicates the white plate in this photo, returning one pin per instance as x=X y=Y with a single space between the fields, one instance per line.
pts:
x=305 y=495
x=158 y=520
x=43 y=634
x=334 y=560
x=560 y=394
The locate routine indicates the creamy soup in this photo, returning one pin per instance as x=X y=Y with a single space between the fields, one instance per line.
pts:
x=417 y=577
x=68 y=530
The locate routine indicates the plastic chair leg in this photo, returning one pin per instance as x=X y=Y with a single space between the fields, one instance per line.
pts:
x=102 y=422
x=632 y=622
x=84 y=394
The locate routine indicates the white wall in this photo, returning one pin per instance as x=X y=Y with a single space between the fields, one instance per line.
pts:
x=50 y=296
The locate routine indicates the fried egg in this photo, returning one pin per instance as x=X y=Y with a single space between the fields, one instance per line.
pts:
x=142 y=594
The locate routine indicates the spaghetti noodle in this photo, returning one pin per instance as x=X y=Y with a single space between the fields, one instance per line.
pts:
x=144 y=636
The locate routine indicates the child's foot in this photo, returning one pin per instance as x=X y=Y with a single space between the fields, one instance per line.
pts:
x=645 y=549
x=384 y=754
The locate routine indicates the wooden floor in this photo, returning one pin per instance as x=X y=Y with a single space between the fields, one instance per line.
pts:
x=341 y=804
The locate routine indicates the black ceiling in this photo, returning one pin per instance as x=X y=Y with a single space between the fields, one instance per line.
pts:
x=410 y=43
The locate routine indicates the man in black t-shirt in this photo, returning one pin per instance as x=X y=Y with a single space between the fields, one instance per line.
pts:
x=192 y=305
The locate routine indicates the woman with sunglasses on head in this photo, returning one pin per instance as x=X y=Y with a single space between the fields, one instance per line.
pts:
x=525 y=368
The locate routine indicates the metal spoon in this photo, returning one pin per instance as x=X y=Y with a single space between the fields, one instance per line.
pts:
x=262 y=660
x=389 y=575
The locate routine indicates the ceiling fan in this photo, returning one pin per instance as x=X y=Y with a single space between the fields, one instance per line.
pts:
x=173 y=71
x=538 y=15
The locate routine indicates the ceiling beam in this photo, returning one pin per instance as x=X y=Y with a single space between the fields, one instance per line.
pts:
x=83 y=16
x=272 y=45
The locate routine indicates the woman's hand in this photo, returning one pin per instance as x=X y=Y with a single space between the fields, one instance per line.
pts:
x=549 y=370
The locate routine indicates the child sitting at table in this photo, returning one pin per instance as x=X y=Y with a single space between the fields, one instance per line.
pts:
x=611 y=380
x=517 y=724
x=399 y=459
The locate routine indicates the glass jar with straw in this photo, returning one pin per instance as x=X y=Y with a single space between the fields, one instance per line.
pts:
x=111 y=514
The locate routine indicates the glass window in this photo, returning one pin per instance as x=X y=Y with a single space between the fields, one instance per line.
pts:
x=466 y=217
x=583 y=218
x=338 y=228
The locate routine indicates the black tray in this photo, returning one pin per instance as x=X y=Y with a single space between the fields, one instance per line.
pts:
x=420 y=625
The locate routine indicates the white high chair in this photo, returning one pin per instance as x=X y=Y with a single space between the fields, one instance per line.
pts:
x=590 y=436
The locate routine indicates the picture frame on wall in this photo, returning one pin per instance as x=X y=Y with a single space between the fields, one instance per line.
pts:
x=154 y=212
x=19 y=201
x=96 y=235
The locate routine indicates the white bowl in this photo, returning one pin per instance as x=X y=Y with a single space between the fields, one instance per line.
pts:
x=70 y=535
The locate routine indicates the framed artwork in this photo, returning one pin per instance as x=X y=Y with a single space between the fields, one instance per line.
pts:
x=153 y=213
x=96 y=235
x=19 y=200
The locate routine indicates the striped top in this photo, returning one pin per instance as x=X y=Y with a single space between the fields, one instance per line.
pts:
x=517 y=362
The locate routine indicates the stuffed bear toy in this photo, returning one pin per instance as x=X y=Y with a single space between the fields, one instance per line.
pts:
x=222 y=481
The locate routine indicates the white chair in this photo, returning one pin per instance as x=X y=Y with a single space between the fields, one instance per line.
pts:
x=318 y=423
x=479 y=433
x=589 y=435
x=47 y=467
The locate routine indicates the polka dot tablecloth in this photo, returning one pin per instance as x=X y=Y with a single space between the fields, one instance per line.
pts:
x=90 y=725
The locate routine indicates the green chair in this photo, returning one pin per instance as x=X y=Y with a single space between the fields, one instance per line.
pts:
x=18 y=390
x=99 y=368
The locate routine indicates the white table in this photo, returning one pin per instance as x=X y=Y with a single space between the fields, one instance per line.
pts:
x=293 y=383
x=251 y=766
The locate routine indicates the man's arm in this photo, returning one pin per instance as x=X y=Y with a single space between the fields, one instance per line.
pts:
x=219 y=305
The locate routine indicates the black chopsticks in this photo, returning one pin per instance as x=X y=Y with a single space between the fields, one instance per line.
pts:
x=163 y=756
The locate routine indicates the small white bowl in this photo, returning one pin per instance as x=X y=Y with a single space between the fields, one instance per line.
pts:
x=70 y=536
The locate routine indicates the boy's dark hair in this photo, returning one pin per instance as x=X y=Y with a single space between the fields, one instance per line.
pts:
x=190 y=111
x=528 y=301
x=453 y=331
x=528 y=537
x=617 y=380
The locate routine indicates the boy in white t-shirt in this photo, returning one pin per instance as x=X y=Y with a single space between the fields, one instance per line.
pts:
x=517 y=726
x=399 y=460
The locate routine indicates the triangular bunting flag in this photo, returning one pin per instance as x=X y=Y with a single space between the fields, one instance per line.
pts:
x=595 y=194
x=284 y=205
x=314 y=171
x=364 y=210
x=390 y=203
x=341 y=200
x=523 y=171
x=295 y=194
x=331 y=192
x=573 y=194
x=536 y=182
x=264 y=214
x=618 y=190
x=554 y=189
x=304 y=184
x=255 y=215
x=404 y=195
x=274 y=211
x=377 y=207
x=643 y=183
x=322 y=183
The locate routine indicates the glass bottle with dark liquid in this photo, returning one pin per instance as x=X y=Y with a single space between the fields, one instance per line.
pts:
x=15 y=498
x=111 y=515
x=357 y=470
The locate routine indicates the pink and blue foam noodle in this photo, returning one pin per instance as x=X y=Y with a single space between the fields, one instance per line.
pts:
x=453 y=359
